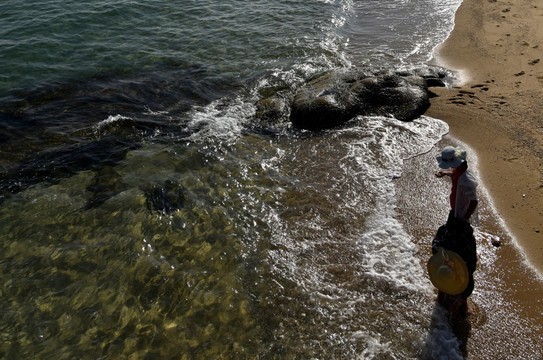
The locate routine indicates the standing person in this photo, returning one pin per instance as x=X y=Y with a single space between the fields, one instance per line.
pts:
x=463 y=196
x=457 y=234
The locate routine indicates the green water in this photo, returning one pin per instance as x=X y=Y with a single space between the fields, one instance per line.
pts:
x=197 y=250
x=119 y=279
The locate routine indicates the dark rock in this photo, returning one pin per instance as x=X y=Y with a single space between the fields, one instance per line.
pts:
x=434 y=82
x=106 y=184
x=165 y=198
x=335 y=98
x=322 y=103
x=272 y=109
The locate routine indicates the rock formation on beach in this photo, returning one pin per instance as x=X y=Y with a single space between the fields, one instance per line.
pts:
x=335 y=98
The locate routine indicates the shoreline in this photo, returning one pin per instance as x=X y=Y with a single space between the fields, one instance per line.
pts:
x=507 y=302
x=494 y=106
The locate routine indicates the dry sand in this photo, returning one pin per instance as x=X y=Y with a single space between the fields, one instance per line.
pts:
x=496 y=107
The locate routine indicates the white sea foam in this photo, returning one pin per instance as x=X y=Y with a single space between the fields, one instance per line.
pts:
x=379 y=154
x=111 y=119
x=222 y=119
x=441 y=342
x=375 y=348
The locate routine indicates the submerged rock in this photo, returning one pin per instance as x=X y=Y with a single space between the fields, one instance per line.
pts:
x=272 y=109
x=165 y=198
x=106 y=184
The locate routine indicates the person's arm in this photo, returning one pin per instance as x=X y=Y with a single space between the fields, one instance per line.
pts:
x=441 y=173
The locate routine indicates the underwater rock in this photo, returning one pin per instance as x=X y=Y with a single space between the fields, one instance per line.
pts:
x=106 y=184
x=165 y=198
x=272 y=109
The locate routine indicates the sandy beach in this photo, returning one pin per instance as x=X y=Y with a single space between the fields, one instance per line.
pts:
x=495 y=106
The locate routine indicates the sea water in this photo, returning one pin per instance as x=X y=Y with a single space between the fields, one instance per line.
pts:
x=145 y=213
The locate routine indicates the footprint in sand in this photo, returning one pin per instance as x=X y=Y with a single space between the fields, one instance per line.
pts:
x=460 y=100
x=457 y=102
x=533 y=62
x=483 y=87
x=478 y=316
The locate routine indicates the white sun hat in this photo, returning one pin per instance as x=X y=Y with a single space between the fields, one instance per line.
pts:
x=451 y=157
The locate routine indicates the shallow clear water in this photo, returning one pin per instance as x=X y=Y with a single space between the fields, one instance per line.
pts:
x=263 y=253
x=146 y=213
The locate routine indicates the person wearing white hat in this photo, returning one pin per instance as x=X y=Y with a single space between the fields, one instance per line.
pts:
x=454 y=261
x=463 y=196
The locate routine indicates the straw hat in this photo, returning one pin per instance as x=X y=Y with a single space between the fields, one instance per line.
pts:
x=448 y=272
x=451 y=157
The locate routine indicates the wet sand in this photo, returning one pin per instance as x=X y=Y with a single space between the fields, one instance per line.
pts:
x=507 y=303
x=495 y=109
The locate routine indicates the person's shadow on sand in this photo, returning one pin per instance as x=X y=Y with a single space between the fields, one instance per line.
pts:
x=448 y=336
x=461 y=328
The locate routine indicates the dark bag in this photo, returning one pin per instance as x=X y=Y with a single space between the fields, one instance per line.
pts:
x=457 y=235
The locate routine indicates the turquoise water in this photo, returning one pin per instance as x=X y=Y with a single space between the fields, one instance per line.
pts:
x=146 y=212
